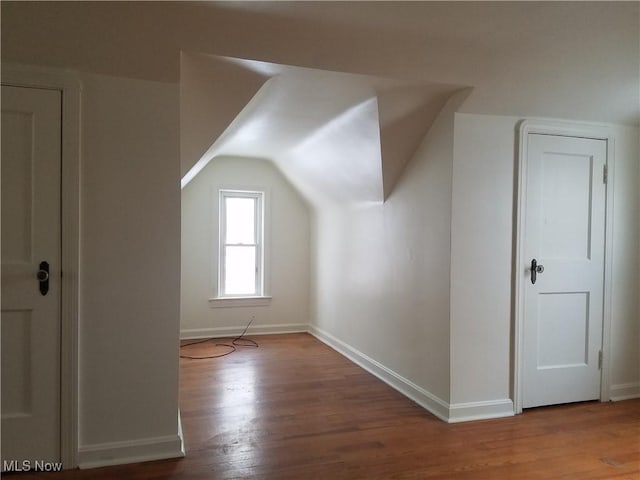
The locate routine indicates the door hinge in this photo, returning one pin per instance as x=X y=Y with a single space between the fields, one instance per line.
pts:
x=599 y=359
x=605 y=174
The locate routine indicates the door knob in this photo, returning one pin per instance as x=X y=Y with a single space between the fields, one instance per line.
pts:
x=43 y=277
x=535 y=270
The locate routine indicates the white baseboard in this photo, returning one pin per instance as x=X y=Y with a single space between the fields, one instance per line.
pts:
x=223 y=332
x=460 y=412
x=625 y=391
x=134 y=451
x=180 y=435
x=466 y=412
x=425 y=399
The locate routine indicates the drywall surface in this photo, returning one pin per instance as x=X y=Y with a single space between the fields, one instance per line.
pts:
x=212 y=94
x=481 y=258
x=381 y=271
x=625 y=312
x=337 y=137
x=481 y=249
x=130 y=263
x=286 y=251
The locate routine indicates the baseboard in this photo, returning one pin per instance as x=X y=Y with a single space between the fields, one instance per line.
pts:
x=461 y=412
x=119 y=453
x=222 y=332
x=466 y=412
x=425 y=399
x=625 y=391
x=180 y=435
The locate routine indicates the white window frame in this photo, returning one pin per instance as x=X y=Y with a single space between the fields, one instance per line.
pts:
x=258 y=196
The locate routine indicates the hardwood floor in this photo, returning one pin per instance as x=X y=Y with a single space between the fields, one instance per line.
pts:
x=295 y=409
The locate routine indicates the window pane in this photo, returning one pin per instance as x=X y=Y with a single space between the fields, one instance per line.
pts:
x=240 y=220
x=240 y=271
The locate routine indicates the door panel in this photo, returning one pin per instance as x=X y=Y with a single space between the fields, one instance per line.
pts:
x=565 y=217
x=30 y=324
x=563 y=320
x=566 y=206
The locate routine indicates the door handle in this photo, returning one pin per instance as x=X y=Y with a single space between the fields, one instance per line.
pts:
x=43 y=277
x=535 y=270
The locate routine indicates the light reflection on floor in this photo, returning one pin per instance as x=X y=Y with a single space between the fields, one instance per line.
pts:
x=238 y=387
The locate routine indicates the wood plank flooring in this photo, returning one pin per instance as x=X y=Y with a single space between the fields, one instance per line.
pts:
x=295 y=409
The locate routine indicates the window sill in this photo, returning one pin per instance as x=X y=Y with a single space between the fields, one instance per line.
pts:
x=224 y=302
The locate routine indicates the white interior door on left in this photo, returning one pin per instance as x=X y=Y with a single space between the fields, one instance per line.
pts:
x=31 y=163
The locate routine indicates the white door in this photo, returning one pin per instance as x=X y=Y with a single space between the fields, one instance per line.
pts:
x=564 y=233
x=31 y=159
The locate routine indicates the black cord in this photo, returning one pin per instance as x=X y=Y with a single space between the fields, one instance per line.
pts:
x=195 y=343
x=203 y=357
x=236 y=342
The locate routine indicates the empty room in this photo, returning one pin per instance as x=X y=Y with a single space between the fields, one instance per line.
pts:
x=289 y=240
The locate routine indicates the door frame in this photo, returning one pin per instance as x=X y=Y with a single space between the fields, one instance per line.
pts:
x=566 y=129
x=71 y=89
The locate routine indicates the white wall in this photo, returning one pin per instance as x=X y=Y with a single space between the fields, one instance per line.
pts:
x=378 y=294
x=286 y=244
x=481 y=270
x=481 y=249
x=381 y=274
x=625 y=314
x=130 y=264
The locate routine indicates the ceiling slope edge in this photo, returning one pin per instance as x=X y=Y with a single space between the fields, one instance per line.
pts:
x=213 y=92
x=338 y=138
x=406 y=114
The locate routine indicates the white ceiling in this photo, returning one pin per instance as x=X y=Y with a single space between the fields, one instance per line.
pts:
x=571 y=60
x=577 y=60
x=339 y=137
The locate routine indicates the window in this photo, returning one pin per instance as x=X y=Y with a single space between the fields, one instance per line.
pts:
x=241 y=244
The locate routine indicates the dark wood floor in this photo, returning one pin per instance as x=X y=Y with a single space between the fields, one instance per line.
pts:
x=295 y=409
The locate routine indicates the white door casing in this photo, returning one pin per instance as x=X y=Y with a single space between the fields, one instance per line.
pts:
x=561 y=323
x=31 y=146
x=68 y=84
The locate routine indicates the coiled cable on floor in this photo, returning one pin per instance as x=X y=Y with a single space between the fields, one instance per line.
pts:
x=239 y=341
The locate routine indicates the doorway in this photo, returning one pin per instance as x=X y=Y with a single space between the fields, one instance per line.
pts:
x=562 y=264
x=31 y=128
x=67 y=86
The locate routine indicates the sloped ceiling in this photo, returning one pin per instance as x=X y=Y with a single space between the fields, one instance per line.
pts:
x=571 y=60
x=338 y=137
x=212 y=94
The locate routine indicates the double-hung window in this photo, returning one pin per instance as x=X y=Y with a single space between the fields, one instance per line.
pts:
x=241 y=244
